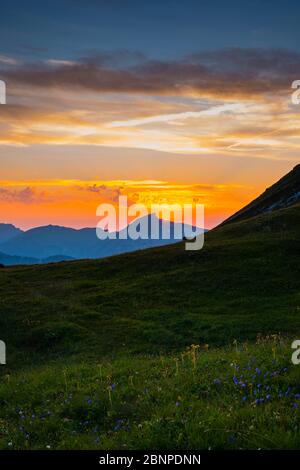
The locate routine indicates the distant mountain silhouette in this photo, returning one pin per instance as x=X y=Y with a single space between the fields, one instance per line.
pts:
x=56 y=259
x=8 y=260
x=55 y=243
x=8 y=231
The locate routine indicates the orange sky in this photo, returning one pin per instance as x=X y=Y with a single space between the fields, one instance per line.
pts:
x=64 y=150
x=74 y=203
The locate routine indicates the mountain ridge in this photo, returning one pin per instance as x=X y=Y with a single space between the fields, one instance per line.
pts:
x=8 y=231
x=53 y=240
x=284 y=193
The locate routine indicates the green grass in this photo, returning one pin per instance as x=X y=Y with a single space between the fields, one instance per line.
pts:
x=245 y=281
x=74 y=329
x=183 y=401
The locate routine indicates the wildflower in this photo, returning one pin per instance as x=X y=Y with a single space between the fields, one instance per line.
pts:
x=295 y=405
x=297 y=395
x=118 y=425
x=235 y=380
x=217 y=382
x=258 y=401
x=245 y=398
x=177 y=403
x=268 y=397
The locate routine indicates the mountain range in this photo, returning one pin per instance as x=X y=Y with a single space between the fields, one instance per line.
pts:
x=55 y=243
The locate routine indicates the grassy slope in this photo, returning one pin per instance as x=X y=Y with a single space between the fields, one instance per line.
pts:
x=281 y=194
x=77 y=328
x=246 y=280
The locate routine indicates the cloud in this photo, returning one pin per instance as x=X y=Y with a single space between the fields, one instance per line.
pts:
x=4 y=59
x=212 y=111
x=26 y=195
x=203 y=103
x=58 y=62
x=229 y=72
x=110 y=193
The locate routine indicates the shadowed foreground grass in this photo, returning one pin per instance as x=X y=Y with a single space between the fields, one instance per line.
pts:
x=242 y=397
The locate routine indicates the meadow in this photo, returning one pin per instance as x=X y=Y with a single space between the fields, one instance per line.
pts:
x=244 y=396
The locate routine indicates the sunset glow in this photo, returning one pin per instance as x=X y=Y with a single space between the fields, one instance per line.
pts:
x=212 y=125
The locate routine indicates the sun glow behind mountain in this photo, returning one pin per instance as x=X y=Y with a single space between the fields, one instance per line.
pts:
x=74 y=202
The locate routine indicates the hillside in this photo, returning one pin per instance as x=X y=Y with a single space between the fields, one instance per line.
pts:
x=245 y=281
x=284 y=193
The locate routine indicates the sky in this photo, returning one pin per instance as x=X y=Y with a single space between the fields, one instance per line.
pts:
x=162 y=101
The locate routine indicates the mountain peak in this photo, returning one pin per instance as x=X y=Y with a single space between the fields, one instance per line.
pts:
x=8 y=231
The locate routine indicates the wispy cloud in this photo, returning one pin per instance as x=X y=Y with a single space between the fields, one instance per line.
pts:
x=6 y=60
x=212 y=111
